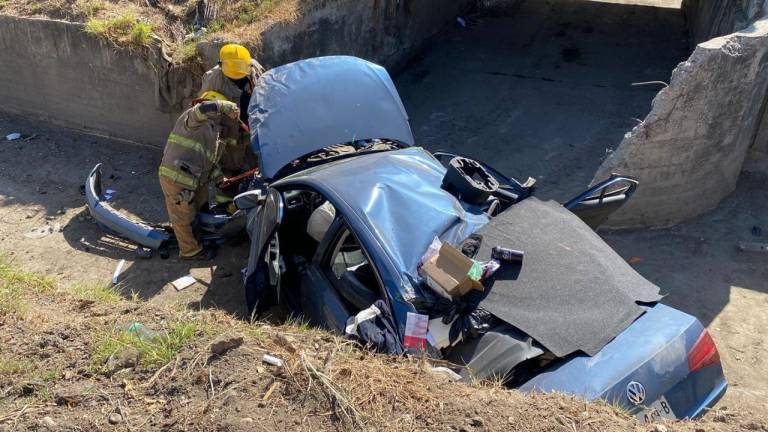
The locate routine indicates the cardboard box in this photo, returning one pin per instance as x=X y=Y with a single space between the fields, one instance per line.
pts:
x=446 y=273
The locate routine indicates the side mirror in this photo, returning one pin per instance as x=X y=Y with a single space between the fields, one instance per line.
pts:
x=249 y=199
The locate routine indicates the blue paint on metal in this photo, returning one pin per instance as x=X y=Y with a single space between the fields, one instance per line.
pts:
x=395 y=213
x=652 y=351
x=301 y=107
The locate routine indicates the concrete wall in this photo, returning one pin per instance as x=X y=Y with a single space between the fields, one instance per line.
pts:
x=708 y=19
x=689 y=151
x=55 y=72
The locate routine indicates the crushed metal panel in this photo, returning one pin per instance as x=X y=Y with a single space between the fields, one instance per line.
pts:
x=307 y=105
x=397 y=195
x=572 y=292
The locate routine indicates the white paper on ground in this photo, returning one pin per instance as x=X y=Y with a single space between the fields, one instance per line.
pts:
x=12 y=137
x=183 y=282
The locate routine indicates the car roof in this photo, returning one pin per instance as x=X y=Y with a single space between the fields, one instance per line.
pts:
x=397 y=196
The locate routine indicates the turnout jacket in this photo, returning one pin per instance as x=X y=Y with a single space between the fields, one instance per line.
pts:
x=192 y=151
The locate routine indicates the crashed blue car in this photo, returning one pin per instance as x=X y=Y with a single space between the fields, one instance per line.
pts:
x=347 y=205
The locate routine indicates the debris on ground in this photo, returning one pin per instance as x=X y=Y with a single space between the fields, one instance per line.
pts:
x=144 y=252
x=115 y=419
x=118 y=271
x=634 y=260
x=183 y=282
x=13 y=136
x=108 y=194
x=124 y=358
x=753 y=247
x=445 y=372
x=43 y=231
x=224 y=343
x=271 y=360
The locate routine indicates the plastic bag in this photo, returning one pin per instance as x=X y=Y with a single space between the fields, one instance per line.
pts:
x=432 y=250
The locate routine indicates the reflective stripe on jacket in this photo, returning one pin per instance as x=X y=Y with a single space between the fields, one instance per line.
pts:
x=192 y=149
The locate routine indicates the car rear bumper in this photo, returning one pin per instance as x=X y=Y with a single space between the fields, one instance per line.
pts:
x=651 y=354
x=686 y=390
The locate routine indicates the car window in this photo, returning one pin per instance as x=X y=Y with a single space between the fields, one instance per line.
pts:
x=348 y=255
x=351 y=273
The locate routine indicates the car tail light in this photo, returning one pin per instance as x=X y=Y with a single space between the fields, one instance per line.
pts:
x=703 y=354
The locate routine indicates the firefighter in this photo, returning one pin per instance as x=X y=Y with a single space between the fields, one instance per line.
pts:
x=234 y=77
x=190 y=163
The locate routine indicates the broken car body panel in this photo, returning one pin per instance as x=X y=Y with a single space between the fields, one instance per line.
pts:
x=304 y=106
x=215 y=227
x=113 y=222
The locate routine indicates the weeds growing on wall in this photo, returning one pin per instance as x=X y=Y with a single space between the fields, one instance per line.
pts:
x=123 y=30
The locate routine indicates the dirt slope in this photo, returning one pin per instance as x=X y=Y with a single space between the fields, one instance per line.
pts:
x=67 y=364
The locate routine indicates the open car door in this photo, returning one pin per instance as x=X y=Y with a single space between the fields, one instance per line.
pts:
x=600 y=201
x=262 y=279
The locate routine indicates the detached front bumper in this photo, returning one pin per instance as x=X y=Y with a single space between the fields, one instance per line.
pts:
x=114 y=223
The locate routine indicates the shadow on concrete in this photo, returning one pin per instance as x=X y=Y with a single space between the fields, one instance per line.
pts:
x=543 y=88
x=698 y=264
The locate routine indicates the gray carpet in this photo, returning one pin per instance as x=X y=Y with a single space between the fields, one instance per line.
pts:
x=572 y=292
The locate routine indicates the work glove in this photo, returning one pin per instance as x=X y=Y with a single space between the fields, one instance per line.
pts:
x=186 y=196
x=229 y=109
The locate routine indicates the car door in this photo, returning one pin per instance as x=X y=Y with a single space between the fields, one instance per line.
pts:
x=340 y=281
x=599 y=202
x=262 y=279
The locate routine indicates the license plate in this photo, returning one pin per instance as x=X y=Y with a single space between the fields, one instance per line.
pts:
x=657 y=410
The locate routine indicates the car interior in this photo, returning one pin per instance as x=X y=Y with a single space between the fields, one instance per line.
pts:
x=307 y=218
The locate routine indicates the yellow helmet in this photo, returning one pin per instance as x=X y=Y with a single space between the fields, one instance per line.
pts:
x=211 y=95
x=235 y=61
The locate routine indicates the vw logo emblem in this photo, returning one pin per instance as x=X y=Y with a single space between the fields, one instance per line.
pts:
x=635 y=392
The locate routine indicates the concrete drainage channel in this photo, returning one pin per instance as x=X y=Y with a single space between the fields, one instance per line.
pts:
x=540 y=88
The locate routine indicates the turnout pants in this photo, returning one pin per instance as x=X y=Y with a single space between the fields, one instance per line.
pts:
x=182 y=214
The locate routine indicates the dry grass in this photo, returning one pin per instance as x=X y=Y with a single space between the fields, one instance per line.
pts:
x=51 y=365
x=132 y=24
x=14 y=284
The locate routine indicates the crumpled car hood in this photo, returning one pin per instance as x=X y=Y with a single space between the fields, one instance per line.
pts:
x=302 y=107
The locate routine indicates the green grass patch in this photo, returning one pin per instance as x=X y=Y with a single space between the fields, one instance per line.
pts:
x=15 y=368
x=187 y=53
x=297 y=323
x=123 y=31
x=213 y=27
x=51 y=375
x=97 y=292
x=154 y=350
x=92 y=7
x=250 y=12
x=13 y=285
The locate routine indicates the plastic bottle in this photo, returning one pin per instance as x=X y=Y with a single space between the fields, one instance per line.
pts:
x=141 y=331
